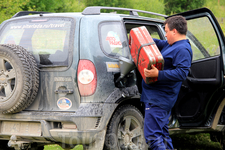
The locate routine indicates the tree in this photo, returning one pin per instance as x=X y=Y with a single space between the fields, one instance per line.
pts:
x=8 y=8
x=177 y=6
x=54 y=5
x=40 y=5
x=71 y=6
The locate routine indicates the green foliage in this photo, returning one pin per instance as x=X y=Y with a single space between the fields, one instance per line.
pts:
x=8 y=8
x=71 y=6
x=177 y=6
x=57 y=147
x=54 y=5
x=218 y=9
x=41 y=5
x=111 y=3
x=156 y=6
x=199 y=141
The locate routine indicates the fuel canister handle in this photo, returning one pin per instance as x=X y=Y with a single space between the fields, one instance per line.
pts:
x=143 y=45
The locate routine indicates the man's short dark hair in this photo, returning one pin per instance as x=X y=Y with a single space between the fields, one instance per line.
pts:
x=177 y=22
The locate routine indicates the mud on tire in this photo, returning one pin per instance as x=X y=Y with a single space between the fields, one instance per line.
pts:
x=125 y=130
x=19 y=78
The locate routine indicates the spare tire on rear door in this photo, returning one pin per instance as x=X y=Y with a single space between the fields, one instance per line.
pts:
x=19 y=78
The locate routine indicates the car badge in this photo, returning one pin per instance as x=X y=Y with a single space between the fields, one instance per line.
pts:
x=64 y=103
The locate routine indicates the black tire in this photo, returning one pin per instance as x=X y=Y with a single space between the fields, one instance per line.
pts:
x=19 y=78
x=34 y=75
x=125 y=130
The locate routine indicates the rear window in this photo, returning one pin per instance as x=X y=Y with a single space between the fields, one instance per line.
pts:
x=46 y=38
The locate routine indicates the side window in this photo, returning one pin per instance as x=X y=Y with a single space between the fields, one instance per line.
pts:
x=113 y=39
x=153 y=30
x=204 y=41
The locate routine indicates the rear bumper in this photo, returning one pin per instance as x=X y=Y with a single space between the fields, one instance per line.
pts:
x=61 y=136
x=44 y=127
x=77 y=137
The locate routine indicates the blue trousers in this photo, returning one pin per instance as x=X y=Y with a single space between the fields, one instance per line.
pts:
x=156 y=128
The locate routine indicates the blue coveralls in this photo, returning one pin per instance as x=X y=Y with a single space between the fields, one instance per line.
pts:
x=160 y=97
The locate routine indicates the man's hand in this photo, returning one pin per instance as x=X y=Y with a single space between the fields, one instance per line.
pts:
x=154 y=72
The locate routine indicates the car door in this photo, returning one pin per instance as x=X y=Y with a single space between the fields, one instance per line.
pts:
x=200 y=92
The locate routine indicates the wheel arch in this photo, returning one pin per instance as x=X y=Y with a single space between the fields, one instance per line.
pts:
x=129 y=101
x=132 y=101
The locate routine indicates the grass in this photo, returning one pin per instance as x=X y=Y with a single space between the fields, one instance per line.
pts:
x=199 y=141
x=57 y=147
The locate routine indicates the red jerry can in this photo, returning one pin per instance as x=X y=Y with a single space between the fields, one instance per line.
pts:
x=145 y=52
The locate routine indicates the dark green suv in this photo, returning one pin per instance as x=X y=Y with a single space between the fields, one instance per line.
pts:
x=68 y=78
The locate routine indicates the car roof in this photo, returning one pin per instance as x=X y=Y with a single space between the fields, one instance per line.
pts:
x=96 y=10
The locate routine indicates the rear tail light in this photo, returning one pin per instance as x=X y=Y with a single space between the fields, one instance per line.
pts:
x=87 y=77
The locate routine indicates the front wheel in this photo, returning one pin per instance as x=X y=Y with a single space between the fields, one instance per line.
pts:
x=125 y=130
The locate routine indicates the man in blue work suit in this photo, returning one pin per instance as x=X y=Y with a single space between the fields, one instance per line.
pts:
x=160 y=97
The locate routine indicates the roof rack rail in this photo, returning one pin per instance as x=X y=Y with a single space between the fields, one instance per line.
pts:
x=96 y=10
x=24 y=13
